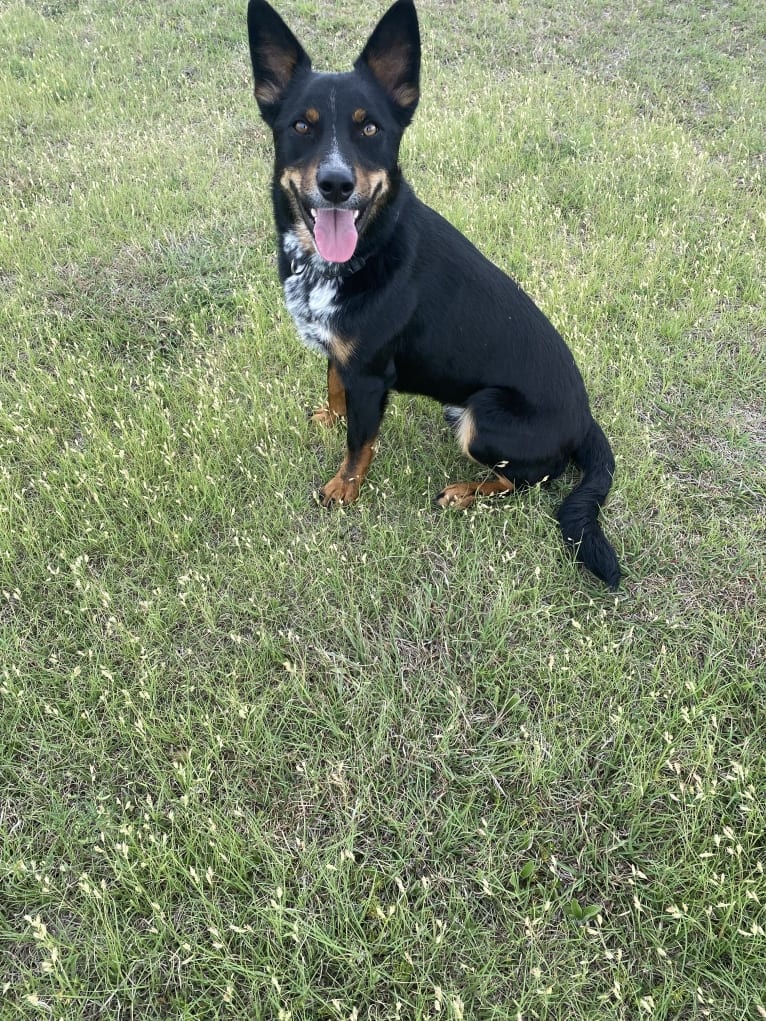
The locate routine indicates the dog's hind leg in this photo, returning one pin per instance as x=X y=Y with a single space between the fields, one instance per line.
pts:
x=460 y=495
x=524 y=446
x=498 y=429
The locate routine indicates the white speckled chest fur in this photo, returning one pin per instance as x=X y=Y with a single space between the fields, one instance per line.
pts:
x=311 y=298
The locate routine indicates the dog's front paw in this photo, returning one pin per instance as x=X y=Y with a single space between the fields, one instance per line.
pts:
x=325 y=417
x=339 y=490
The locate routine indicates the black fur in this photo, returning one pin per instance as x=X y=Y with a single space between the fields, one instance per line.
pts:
x=416 y=308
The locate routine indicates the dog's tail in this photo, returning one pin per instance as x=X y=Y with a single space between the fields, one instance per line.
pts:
x=578 y=514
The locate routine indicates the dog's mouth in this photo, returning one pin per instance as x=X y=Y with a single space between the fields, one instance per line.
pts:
x=336 y=232
x=335 y=229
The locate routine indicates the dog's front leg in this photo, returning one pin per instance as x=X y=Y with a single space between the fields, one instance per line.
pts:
x=365 y=404
x=335 y=408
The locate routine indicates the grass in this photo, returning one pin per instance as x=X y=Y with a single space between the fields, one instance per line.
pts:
x=262 y=761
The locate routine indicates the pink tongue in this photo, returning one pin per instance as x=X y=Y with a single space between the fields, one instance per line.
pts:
x=335 y=234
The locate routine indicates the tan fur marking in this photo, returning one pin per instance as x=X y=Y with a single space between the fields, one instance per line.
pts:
x=336 y=393
x=301 y=179
x=267 y=92
x=377 y=179
x=359 y=116
x=335 y=408
x=390 y=69
x=406 y=95
x=290 y=176
x=281 y=64
x=312 y=115
x=372 y=183
x=466 y=432
x=341 y=349
x=291 y=181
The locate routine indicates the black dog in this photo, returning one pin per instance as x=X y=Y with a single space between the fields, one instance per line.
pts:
x=398 y=299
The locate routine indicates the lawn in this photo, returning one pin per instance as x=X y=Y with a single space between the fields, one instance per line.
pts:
x=260 y=760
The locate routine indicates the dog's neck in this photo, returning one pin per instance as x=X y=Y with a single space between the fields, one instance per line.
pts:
x=329 y=270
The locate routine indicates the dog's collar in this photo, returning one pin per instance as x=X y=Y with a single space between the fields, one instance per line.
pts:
x=330 y=270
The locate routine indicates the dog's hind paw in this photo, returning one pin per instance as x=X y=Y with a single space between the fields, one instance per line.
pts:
x=461 y=495
x=457 y=496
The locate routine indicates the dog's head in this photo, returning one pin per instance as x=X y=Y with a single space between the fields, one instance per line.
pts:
x=336 y=136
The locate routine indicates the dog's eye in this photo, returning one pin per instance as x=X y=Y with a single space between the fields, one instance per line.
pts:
x=301 y=127
x=370 y=129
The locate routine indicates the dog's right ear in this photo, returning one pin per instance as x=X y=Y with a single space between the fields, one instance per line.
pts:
x=276 y=54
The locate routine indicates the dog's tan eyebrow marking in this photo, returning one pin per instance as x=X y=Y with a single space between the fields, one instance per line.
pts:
x=359 y=116
x=312 y=115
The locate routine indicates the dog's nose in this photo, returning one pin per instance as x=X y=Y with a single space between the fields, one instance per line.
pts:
x=335 y=183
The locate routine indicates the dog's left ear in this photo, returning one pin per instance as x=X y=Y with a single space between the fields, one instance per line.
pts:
x=392 y=54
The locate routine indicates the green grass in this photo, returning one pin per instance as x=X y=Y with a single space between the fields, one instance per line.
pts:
x=258 y=760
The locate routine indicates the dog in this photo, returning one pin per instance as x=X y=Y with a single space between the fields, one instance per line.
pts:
x=396 y=298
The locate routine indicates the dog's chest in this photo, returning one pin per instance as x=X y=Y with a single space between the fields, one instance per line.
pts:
x=312 y=301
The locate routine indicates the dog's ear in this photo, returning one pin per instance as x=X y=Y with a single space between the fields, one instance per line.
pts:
x=276 y=54
x=392 y=54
